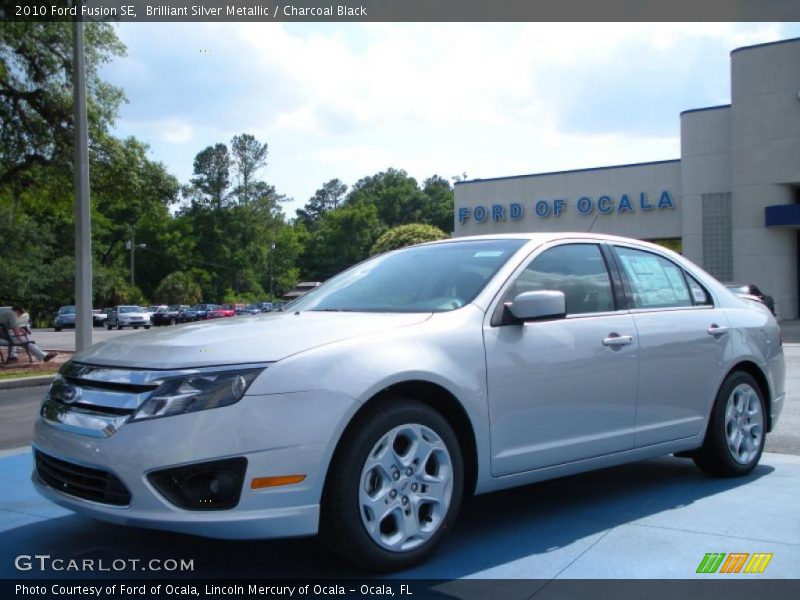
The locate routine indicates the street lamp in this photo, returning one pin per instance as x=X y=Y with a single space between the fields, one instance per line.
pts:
x=132 y=246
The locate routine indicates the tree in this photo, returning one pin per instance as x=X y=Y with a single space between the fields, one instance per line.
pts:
x=407 y=235
x=325 y=199
x=395 y=195
x=248 y=156
x=36 y=128
x=440 y=200
x=212 y=176
x=178 y=288
x=343 y=238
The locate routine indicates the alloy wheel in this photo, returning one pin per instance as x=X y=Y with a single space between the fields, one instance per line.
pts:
x=744 y=423
x=406 y=486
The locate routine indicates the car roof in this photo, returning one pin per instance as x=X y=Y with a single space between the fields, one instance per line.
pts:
x=538 y=238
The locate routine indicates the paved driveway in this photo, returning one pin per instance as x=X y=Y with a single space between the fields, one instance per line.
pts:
x=653 y=519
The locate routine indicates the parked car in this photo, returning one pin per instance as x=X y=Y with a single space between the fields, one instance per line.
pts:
x=266 y=306
x=196 y=312
x=151 y=310
x=65 y=318
x=168 y=315
x=368 y=410
x=226 y=310
x=251 y=309
x=128 y=316
x=750 y=290
x=99 y=317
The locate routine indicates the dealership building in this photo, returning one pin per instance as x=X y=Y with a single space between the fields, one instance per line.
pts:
x=730 y=203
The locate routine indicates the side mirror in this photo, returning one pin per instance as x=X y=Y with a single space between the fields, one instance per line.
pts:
x=533 y=306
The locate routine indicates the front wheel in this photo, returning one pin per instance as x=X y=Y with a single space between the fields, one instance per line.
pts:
x=736 y=429
x=394 y=487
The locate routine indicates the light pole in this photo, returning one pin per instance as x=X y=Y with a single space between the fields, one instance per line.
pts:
x=83 y=216
x=132 y=246
x=271 y=271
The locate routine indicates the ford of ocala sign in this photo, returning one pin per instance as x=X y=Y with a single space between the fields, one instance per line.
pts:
x=585 y=205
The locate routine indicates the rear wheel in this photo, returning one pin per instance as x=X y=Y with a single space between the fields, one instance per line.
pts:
x=394 y=487
x=736 y=429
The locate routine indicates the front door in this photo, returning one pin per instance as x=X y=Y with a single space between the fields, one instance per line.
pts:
x=562 y=390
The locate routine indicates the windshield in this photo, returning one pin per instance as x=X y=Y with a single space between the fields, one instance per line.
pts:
x=432 y=278
x=130 y=309
x=66 y=310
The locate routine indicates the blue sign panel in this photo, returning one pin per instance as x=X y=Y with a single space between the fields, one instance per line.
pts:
x=553 y=208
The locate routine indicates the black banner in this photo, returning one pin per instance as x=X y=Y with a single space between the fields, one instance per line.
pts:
x=401 y=10
x=350 y=589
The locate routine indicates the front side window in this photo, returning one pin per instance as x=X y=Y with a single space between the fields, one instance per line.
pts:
x=578 y=270
x=654 y=282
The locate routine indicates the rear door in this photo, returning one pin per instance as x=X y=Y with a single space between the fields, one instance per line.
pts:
x=683 y=341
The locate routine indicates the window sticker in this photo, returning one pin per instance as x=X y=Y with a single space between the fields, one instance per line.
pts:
x=488 y=254
x=698 y=294
x=677 y=283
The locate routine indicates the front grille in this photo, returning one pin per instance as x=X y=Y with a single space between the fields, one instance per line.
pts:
x=82 y=482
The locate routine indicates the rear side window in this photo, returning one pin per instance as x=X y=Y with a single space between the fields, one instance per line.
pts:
x=578 y=270
x=654 y=281
x=700 y=296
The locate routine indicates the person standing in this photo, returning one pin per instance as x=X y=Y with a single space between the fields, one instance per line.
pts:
x=14 y=330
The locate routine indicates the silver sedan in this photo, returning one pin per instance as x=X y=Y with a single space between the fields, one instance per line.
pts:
x=370 y=408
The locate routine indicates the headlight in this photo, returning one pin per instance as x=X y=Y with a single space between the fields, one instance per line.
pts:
x=199 y=391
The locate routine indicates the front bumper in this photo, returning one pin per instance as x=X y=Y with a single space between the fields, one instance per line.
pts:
x=282 y=434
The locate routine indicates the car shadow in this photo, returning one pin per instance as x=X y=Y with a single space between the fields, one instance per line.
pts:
x=492 y=530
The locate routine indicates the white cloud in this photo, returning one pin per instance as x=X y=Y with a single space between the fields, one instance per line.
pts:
x=348 y=100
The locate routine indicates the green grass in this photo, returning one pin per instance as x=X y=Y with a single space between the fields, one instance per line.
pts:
x=15 y=373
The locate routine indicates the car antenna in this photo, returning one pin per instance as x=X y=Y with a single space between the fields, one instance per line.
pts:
x=593 y=222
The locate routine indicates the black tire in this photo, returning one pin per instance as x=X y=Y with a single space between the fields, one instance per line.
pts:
x=341 y=526
x=57 y=328
x=715 y=457
x=119 y=326
x=147 y=326
x=136 y=327
x=173 y=321
x=109 y=327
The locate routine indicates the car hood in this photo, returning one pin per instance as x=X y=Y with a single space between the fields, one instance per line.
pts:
x=263 y=338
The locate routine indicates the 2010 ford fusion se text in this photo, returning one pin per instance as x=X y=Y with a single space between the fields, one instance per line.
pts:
x=371 y=407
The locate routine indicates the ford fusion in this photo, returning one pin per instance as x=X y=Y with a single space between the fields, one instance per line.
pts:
x=370 y=408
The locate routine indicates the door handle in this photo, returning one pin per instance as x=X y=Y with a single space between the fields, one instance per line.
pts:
x=717 y=331
x=615 y=340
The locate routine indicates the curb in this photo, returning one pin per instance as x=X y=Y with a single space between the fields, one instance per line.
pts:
x=24 y=382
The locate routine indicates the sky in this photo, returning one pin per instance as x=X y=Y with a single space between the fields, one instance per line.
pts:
x=482 y=99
